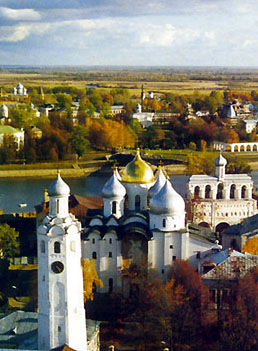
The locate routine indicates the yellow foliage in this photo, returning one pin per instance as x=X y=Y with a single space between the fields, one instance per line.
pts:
x=251 y=246
x=90 y=277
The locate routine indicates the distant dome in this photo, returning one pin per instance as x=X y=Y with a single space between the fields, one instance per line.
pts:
x=138 y=171
x=220 y=161
x=58 y=187
x=167 y=201
x=160 y=181
x=19 y=86
x=113 y=188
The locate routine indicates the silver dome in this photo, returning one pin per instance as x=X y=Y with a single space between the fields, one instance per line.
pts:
x=220 y=161
x=113 y=188
x=160 y=181
x=167 y=201
x=58 y=187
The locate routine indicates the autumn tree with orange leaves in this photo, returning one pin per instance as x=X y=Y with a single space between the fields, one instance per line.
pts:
x=251 y=246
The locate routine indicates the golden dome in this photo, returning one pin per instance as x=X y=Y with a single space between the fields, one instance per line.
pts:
x=138 y=171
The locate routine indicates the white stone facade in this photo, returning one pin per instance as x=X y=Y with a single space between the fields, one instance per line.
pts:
x=235 y=147
x=20 y=90
x=61 y=317
x=221 y=199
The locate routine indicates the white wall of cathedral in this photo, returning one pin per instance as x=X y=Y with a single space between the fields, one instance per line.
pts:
x=167 y=223
x=228 y=211
x=137 y=195
x=165 y=247
x=58 y=206
x=107 y=255
x=113 y=206
x=61 y=308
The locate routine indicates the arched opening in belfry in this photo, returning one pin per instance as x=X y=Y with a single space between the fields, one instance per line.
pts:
x=204 y=224
x=57 y=247
x=220 y=191
x=232 y=194
x=221 y=226
x=236 y=148
x=243 y=192
x=197 y=192
x=137 y=203
x=207 y=192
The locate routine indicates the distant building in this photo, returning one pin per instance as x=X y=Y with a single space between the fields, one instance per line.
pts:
x=20 y=90
x=145 y=118
x=116 y=110
x=250 y=125
x=18 y=135
x=236 y=147
x=221 y=200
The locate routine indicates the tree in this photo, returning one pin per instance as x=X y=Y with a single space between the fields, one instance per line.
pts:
x=251 y=246
x=203 y=163
x=79 y=140
x=9 y=244
x=22 y=115
x=90 y=278
x=8 y=150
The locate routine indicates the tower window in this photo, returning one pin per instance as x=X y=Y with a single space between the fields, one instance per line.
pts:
x=57 y=206
x=114 y=207
x=94 y=255
x=72 y=246
x=110 y=254
x=57 y=247
x=93 y=241
x=171 y=246
x=137 y=203
x=110 y=285
x=174 y=258
x=110 y=240
x=164 y=222
x=59 y=328
x=42 y=246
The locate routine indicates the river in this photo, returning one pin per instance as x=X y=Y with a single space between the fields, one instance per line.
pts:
x=31 y=191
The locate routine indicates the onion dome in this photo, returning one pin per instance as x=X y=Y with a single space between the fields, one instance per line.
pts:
x=113 y=188
x=58 y=187
x=138 y=171
x=167 y=201
x=160 y=181
x=220 y=161
x=19 y=86
x=117 y=174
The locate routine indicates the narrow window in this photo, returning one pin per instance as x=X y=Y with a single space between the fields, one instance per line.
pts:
x=57 y=206
x=94 y=255
x=110 y=285
x=42 y=246
x=174 y=258
x=57 y=247
x=114 y=207
x=137 y=203
x=43 y=278
x=164 y=222
x=59 y=328
x=93 y=240
x=72 y=246
x=110 y=240
x=171 y=246
x=162 y=271
x=110 y=254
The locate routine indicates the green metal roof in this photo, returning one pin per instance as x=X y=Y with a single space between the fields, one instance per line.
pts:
x=8 y=130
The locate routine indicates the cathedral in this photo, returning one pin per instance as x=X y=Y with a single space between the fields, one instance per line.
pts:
x=143 y=222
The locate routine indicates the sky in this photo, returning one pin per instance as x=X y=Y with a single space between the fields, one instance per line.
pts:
x=129 y=32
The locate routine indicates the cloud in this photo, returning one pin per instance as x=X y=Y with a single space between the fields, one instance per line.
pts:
x=18 y=15
x=20 y=32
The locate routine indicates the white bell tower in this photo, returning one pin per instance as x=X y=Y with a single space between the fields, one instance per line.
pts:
x=61 y=313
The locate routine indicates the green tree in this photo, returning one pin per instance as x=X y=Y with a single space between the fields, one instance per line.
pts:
x=22 y=115
x=9 y=243
x=8 y=150
x=79 y=140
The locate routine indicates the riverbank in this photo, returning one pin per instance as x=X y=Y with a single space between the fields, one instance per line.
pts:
x=77 y=171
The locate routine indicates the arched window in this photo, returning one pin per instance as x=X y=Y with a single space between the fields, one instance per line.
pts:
x=110 y=285
x=164 y=222
x=196 y=192
x=94 y=255
x=220 y=191
x=114 y=207
x=232 y=191
x=137 y=203
x=243 y=192
x=57 y=247
x=42 y=246
x=110 y=240
x=93 y=240
x=207 y=192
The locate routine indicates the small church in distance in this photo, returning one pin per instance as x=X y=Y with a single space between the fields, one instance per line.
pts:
x=143 y=222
